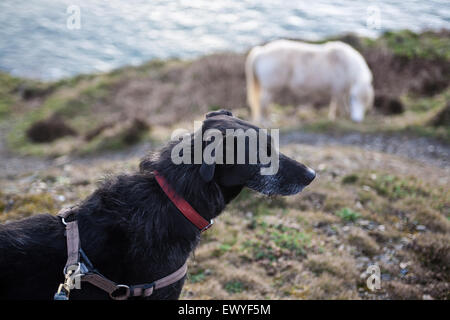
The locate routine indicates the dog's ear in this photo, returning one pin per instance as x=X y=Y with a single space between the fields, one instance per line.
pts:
x=221 y=112
x=207 y=171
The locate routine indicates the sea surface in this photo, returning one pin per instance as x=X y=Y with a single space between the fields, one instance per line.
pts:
x=52 y=39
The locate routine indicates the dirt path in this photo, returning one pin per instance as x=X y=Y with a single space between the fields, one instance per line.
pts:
x=424 y=150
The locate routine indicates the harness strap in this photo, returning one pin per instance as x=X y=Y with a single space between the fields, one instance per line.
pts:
x=72 y=238
x=100 y=282
x=115 y=291
x=139 y=290
x=171 y=278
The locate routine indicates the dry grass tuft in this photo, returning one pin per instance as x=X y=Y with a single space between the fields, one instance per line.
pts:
x=363 y=242
x=433 y=251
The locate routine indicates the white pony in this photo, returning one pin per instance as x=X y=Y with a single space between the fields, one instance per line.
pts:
x=333 y=69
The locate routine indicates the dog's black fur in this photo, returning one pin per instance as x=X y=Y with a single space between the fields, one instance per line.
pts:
x=128 y=227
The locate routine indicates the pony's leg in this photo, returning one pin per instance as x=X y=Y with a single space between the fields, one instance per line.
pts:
x=345 y=105
x=266 y=100
x=333 y=108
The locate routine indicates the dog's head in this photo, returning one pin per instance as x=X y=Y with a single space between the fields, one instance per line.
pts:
x=232 y=154
x=249 y=157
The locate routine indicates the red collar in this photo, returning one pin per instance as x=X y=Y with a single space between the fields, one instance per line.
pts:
x=186 y=209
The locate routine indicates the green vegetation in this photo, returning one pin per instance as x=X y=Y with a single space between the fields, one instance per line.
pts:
x=395 y=188
x=16 y=206
x=8 y=97
x=348 y=215
x=273 y=241
x=290 y=239
x=74 y=105
x=234 y=286
x=351 y=178
x=415 y=121
x=114 y=140
x=76 y=101
x=222 y=249
x=428 y=45
x=197 y=277
x=256 y=204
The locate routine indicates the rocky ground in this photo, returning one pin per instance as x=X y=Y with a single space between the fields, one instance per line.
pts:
x=381 y=195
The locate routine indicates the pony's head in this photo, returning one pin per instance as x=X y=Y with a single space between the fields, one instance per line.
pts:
x=361 y=100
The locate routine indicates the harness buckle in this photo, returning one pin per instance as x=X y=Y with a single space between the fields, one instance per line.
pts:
x=122 y=296
x=73 y=276
x=72 y=279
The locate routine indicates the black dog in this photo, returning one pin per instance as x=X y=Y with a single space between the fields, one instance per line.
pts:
x=129 y=228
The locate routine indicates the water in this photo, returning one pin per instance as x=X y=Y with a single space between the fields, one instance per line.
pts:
x=36 y=42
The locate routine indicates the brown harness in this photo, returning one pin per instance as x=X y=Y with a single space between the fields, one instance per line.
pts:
x=81 y=270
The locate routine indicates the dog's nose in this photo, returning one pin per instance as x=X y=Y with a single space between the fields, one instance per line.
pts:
x=309 y=175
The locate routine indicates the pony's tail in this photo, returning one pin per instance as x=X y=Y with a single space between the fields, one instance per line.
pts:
x=253 y=87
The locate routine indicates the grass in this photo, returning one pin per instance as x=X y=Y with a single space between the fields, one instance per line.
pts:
x=75 y=106
x=348 y=215
x=221 y=250
x=15 y=206
x=395 y=199
x=115 y=140
x=414 y=121
x=349 y=179
x=363 y=242
x=273 y=241
x=290 y=239
x=8 y=97
x=426 y=45
x=70 y=104
x=280 y=251
x=76 y=100
x=198 y=276
x=234 y=286
x=395 y=188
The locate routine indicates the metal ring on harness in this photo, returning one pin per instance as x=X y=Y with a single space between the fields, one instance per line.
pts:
x=75 y=271
x=124 y=296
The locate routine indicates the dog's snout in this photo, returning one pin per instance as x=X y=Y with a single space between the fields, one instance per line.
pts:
x=309 y=175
